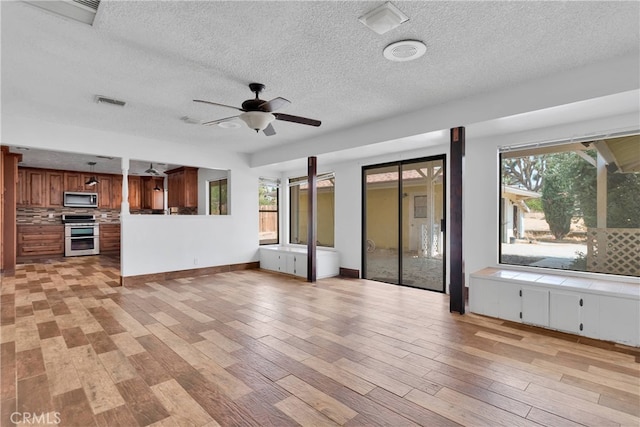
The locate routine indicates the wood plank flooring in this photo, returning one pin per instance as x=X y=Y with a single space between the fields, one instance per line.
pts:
x=253 y=348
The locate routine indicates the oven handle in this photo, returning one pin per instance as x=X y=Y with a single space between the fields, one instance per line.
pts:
x=81 y=237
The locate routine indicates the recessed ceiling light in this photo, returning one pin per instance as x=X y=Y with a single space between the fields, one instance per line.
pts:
x=231 y=124
x=383 y=18
x=22 y=148
x=404 y=50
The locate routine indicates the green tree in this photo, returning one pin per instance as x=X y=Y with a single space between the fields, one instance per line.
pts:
x=557 y=197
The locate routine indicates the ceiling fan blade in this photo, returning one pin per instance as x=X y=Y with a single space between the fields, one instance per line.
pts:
x=219 y=105
x=297 y=119
x=274 y=104
x=269 y=130
x=215 y=122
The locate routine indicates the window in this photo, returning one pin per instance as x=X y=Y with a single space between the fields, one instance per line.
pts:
x=269 y=192
x=218 y=197
x=298 y=210
x=572 y=206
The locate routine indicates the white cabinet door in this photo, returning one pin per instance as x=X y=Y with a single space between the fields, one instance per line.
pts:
x=284 y=263
x=620 y=320
x=483 y=296
x=269 y=260
x=535 y=306
x=565 y=311
x=301 y=265
x=509 y=304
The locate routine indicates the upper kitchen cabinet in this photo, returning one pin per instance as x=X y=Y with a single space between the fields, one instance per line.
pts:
x=55 y=186
x=153 y=192
x=105 y=192
x=73 y=181
x=116 y=191
x=183 y=187
x=135 y=192
x=31 y=187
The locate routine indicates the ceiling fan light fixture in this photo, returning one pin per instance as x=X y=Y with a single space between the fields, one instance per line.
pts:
x=383 y=18
x=257 y=120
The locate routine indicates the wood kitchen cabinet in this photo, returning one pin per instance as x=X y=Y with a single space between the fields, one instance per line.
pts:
x=73 y=181
x=22 y=196
x=116 y=191
x=104 y=190
x=152 y=199
x=40 y=240
x=55 y=186
x=183 y=187
x=109 y=238
x=135 y=192
x=31 y=187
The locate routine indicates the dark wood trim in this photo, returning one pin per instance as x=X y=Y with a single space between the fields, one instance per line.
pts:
x=195 y=272
x=350 y=273
x=312 y=218
x=456 y=275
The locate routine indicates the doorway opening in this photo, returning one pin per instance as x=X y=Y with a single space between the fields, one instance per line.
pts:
x=403 y=223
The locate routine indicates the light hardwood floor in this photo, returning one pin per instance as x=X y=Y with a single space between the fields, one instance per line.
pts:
x=252 y=348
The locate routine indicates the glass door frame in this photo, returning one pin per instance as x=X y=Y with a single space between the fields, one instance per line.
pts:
x=399 y=164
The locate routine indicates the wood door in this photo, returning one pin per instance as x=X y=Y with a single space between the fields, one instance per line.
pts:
x=22 y=194
x=104 y=191
x=191 y=187
x=73 y=181
x=37 y=187
x=135 y=192
x=116 y=192
x=55 y=181
x=176 y=189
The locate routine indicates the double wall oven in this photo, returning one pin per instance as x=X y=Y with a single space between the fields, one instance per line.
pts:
x=81 y=235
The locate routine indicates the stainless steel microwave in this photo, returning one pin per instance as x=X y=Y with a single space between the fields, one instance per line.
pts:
x=80 y=200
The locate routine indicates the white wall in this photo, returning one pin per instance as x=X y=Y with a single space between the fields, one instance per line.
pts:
x=158 y=243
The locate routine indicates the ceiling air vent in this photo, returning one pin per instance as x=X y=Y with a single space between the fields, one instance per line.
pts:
x=79 y=10
x=104 y=100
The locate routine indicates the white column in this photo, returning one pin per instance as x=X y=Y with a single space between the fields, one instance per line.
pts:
x=601 y=192
x=124 y=206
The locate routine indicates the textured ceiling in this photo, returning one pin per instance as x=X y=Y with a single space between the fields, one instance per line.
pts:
x=159 y=55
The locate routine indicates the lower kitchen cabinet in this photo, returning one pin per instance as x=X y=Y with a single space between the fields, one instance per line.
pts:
x=109 y=238
x=40 y=240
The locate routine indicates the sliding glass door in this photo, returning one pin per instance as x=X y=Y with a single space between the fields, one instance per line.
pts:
x=403 y=218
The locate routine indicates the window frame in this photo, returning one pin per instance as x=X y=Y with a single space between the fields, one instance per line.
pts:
x=275 y=183
x=298 y=181
x=219 y=183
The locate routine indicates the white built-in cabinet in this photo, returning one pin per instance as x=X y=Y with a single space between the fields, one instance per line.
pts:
x=593 y=308
x=293 y=260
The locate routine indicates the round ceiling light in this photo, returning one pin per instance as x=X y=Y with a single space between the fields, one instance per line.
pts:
x=404 y=50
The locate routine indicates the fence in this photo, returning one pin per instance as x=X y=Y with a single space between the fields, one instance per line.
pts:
x=268 y=222
x=614 y=251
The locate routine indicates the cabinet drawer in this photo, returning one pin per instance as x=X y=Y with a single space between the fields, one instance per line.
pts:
x=52 y=248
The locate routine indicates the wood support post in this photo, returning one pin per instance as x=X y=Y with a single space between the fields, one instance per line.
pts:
x=456 y=285
x=312 y=218
x=8 y=233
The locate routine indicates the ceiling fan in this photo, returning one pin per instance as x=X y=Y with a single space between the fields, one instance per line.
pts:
x=258 y=114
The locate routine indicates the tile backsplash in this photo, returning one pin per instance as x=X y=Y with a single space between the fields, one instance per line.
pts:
x=34 y=215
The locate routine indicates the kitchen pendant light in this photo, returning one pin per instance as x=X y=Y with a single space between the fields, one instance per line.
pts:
x=92 y=181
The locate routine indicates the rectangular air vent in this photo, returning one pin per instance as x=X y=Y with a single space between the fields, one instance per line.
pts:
x=104 y=100
x=79 y=10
